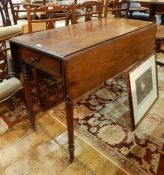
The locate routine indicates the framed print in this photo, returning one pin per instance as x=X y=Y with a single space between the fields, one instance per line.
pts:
x=142 y=88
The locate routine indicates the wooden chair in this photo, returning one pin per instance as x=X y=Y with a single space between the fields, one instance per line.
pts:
x=117 y=7
x=8 y=18
x=20 y=11
x=9 y=26
x=51 y=14
x=9 y=83
x=9 y=13
x=88 y=10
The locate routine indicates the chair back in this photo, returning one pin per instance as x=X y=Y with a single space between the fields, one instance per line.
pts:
x=7 y=12
x=3 y=61
x=116 y=7
x=49 y=15
x=88 y=9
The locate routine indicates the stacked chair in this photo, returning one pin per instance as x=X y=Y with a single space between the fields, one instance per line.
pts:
x=10 y=83
x=52 y=16
x=119 y=8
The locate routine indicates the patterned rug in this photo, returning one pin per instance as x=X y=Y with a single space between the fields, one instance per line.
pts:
x=14 y=111
x=102 y=120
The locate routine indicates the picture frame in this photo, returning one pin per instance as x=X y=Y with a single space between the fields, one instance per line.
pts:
x=141 y=79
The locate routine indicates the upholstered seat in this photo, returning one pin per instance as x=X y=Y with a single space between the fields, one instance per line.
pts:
x=9 y=84
x=160 y=58
x=9 y=87
x=10 y=31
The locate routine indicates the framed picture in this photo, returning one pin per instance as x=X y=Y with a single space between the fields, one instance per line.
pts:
x=142 y=88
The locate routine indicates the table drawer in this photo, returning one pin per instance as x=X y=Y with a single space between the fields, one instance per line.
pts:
x=41 y=61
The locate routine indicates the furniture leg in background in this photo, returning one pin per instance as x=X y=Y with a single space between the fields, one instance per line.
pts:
x=27 y=89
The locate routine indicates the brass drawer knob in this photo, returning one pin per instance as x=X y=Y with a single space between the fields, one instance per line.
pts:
x=34 y=59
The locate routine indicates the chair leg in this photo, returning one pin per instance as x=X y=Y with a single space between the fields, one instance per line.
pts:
x=158 y=45
x=162 y=19
x=27 y=90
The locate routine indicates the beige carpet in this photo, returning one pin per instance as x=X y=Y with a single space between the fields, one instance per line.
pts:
x=100 y=120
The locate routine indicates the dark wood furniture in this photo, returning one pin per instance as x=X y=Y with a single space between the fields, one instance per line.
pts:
x=51 y=14
x=160 y=38
x=161 y=163
x=6 y=7
x=159 y=10
x=10 y=83
x=154 y=6
x=116 y=7
x=9 y=12
x=84 y=55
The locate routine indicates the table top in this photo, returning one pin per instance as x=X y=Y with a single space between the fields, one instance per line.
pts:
x=38 y=3
x=148 y=1
x=66 y=41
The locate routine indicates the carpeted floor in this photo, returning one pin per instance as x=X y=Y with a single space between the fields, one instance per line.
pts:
x=102 y=120
x=14 y=111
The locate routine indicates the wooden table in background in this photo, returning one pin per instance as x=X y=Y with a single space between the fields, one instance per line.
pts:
x=38 y=3
x=84 y=55
x=154 y=6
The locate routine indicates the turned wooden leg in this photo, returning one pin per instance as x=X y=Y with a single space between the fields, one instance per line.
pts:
x=152 y=11
x=27 y=90
x=162 y=19
x=158 y=45
x=69 y=116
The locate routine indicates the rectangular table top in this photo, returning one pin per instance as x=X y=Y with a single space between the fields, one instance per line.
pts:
x=148 y=1
x=66 y=41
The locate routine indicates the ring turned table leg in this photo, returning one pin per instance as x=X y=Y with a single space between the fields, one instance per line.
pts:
x=69 y=116
x=152 y=12
x=27 y=90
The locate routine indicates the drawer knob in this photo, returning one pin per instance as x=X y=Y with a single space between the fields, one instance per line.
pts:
x=34 y=59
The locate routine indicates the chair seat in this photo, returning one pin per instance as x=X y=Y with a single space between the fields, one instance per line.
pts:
x=22 y=15
x=138 y=9
x=8 y=87
x=160 y=58
x=10 y=31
